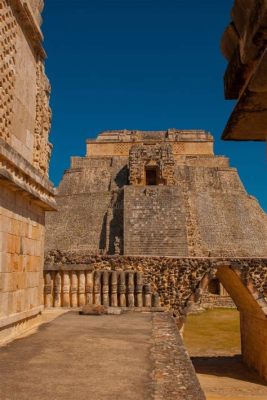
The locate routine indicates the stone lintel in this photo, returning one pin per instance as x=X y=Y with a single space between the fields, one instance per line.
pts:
x=19 y=317
x=29 y=24
x=20 y=175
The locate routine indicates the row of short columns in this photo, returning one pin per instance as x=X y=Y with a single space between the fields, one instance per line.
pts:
x=109 y=288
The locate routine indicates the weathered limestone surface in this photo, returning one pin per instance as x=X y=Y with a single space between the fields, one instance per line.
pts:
x=25 y=191
x=244 y=46
x=197 y=207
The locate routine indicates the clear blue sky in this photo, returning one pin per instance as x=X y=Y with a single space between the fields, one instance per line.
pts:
x=141 y=64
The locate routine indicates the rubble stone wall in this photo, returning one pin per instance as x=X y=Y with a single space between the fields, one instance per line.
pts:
x=174 y=279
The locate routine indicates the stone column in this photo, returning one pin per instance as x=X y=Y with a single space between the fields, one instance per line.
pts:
x=97 y=292
x=122 y=289
x=57 y=290
x=48 y=298
x=155 y=300
x=114 y=284
x=147 y=295
x=74 y=289
x=139 y=289
x=105 y=288
x=130 y=289
x=89 y=288
x=66 y=289
x=81 y=293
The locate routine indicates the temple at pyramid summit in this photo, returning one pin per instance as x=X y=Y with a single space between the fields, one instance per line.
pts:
x=155 y=193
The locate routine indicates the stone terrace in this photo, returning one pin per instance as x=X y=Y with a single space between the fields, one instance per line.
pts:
x=130 y=356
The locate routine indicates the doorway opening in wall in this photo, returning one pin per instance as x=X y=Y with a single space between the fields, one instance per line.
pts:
x=213 y=341
x=151 y=176
x=214 y=286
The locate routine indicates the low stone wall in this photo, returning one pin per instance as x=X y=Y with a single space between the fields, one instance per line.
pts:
x=176 y=280
x=173 y=375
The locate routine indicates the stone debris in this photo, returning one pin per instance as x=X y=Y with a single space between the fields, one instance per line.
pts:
x=100 y=310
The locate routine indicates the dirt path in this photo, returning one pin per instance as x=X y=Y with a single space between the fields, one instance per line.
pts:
x=79 y=358
x=213 y=342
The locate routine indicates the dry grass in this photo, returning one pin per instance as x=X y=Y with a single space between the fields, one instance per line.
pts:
x=213 y=332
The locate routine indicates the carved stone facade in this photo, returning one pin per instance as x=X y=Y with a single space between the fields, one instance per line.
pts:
x=25 y=191
x=42 y=147
x=244 y=46
x=156 y=158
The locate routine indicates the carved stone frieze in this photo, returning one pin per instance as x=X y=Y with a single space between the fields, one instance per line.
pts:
x=42 y=147
x=8 y=28
x=157 y=155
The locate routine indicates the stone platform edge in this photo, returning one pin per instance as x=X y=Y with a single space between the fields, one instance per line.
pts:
x=173 y=373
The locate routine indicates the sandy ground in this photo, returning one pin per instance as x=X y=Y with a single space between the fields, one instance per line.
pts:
x=213 y=342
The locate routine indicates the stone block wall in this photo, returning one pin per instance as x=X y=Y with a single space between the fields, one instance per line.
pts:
x=253 y=330
x=25 y=191
x=21 y=259
x=154 y=221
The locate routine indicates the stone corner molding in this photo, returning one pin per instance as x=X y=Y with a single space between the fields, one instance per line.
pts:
x=19 y=174
x=29 y=25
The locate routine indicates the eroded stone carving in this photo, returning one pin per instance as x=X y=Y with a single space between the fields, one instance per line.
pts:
x=157 y=155
x=8 y=30
x=42 y=147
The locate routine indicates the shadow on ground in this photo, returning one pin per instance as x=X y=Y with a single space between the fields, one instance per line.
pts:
x=226 y=366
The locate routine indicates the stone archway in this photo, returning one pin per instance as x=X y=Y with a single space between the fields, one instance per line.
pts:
x=253 y=318
x=253 y=314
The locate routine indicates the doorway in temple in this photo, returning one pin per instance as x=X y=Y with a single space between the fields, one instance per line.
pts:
x=151 y=175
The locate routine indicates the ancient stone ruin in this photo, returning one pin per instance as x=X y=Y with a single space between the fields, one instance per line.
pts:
x=155 y=194
x=25 y=191
x=162 y=206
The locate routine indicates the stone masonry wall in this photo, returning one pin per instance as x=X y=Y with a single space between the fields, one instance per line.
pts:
x=154 y=221
x=25 y=191
x=21 y=259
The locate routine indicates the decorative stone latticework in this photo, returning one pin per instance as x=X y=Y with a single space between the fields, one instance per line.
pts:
x=8 y=32
x=42 y=147
x=157 y=155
